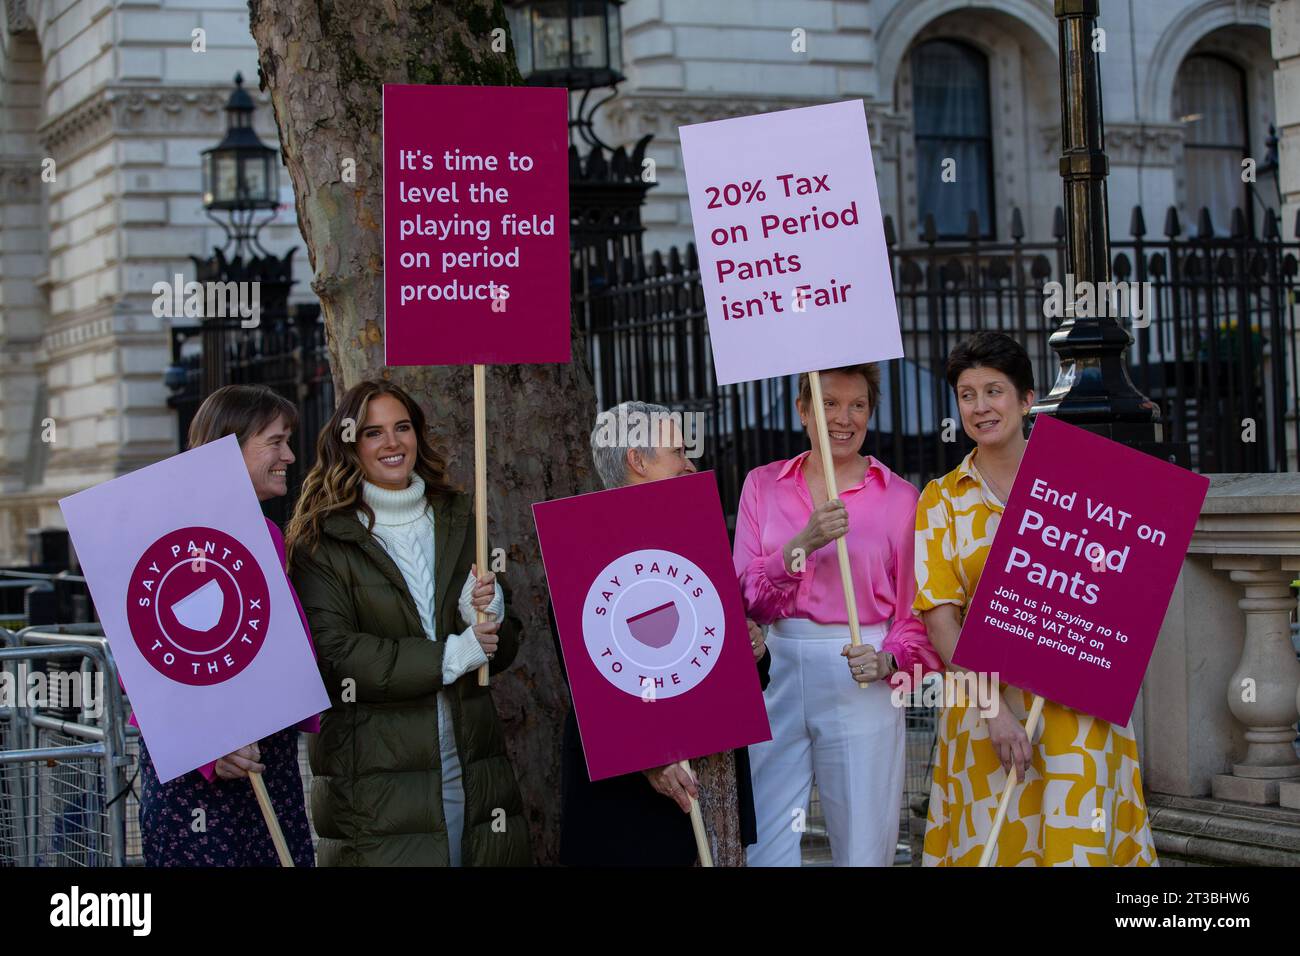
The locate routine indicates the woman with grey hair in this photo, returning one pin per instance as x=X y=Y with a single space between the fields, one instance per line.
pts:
x=626 y=820
x=636 y=442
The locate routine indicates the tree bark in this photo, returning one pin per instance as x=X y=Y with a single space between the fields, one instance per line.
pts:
x=325 y=64
x=720 y=807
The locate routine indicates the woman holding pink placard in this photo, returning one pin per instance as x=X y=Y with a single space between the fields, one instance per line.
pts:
x=1081 y=802
x=210 y=817
x=826 y=727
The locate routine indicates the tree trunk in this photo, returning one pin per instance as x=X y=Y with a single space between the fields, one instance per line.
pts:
x=325 y=65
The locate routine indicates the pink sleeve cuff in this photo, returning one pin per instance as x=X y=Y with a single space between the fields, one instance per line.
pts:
x=775 y=570
x=209 y=771
x=909 y=651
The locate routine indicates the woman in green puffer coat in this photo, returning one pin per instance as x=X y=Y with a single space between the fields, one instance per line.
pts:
x=410 y=765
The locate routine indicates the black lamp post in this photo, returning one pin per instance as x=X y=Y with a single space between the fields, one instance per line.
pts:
x=241 y=175
x=241 y=178
x=1093 y=388
x=571 y=43
x=577 y=44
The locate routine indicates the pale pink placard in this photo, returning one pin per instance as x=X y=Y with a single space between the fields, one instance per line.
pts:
x=735 y=166
x=219 y=658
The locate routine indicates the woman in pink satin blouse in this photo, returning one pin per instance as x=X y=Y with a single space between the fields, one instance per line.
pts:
x=850 y=739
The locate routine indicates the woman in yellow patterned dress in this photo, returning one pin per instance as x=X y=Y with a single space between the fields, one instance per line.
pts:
x=1081 y=802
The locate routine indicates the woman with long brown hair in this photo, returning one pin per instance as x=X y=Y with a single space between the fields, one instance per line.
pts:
x=410 y=765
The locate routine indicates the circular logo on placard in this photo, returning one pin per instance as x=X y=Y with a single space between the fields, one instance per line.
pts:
x=198 y=606
x=653 y=624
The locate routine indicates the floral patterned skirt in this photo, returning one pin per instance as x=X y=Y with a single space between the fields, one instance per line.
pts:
x=230 y=830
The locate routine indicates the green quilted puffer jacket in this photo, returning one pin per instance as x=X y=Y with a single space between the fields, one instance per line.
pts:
x=376 y=799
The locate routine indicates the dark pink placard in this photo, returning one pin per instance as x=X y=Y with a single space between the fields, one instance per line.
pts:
x=651 y=624
x=1103 y=592
x=476 y=259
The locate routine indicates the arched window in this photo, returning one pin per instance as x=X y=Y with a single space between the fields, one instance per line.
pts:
x=1210 y=101
x=952 y=121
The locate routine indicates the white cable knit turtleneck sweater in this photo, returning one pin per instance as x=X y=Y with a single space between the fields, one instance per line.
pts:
x=404 y=527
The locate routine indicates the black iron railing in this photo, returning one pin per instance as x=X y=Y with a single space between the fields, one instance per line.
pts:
x=1219 y=355
x=1215 y=347
x=286 y=354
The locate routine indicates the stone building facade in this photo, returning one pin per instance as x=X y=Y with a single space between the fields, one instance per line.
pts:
x=690 y=62
x=114 y=98
x=113 y=103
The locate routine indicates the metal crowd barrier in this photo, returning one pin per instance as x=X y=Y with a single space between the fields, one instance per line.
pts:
x=10 y=806
x=66 y=761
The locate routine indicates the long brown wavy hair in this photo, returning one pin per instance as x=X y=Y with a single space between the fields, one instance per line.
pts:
x=334 y=483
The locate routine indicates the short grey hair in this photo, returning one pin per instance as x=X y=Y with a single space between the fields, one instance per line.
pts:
x=609 y=457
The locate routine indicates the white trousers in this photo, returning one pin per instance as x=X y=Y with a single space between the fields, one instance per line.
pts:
x=825 y=727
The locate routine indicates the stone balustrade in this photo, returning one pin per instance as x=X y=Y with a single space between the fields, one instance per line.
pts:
x=1222 y=695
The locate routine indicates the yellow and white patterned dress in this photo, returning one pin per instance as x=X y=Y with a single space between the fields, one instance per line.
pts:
x=1082 y=802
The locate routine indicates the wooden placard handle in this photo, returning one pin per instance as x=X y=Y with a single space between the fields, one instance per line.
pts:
x=697 y=822
x=832 y=492
x=991 y=844
x=272 y=822
x=480 y=489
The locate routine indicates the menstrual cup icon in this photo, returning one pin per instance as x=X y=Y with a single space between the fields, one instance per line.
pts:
x=200 y=610
x=655 y=627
